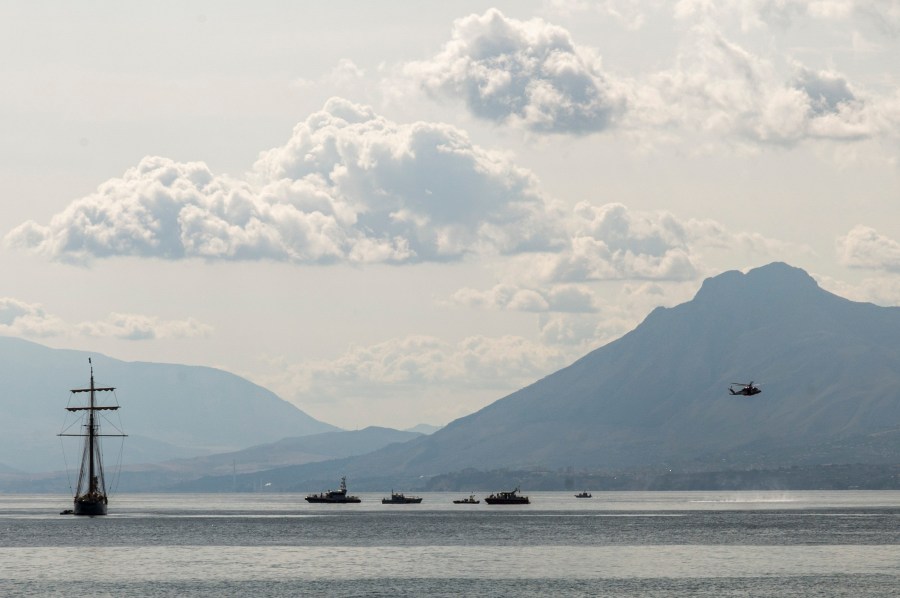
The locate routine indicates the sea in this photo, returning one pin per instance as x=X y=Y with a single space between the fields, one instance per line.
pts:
x=641 y=544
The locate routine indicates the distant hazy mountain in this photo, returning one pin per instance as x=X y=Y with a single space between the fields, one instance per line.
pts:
x=169 y=411
x=287 y=451
x=829 y=369
x=424 y=429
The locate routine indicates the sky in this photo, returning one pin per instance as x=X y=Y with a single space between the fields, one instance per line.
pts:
x=392 y=213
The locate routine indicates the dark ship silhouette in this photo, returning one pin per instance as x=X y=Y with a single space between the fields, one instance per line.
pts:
x=398 y=498
x=90 y=493
x=507 y=498
x=334 y=496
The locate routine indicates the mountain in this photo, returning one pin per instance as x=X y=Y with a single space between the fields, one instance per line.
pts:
x=424 y=429
x=829 y=369
x=287 y=451
x=168 y=410
x=158 y=477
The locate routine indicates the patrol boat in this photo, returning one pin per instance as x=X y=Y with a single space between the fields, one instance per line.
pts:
x=507 y=498
x=398 y=498
x=467 y=501
x=334 y=496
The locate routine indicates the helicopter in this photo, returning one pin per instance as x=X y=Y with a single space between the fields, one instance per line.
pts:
x=747 y=390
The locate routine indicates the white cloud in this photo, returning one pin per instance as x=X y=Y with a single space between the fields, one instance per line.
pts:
x=439 y=376
x=864 y=247
x=346 y=72
x=558 y=298
x=348 y=186
x=883 y=290
x=140 y=327
x=531 y=73
x=718 y=88
x=662 y=256
x=611 y=242
x=19 y=318
x=528 y=73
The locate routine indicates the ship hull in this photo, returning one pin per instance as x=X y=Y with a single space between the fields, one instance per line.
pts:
x=90 y=508
x=405 y=501
x=333 y=501
x=507 y=501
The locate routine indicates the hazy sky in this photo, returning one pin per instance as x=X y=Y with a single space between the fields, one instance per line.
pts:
x=397 y=212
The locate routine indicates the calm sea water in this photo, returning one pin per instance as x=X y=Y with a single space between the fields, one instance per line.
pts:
x=615 y=544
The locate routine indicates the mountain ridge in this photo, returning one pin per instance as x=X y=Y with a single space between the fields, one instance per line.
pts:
x=829 y=369
x=173 y=409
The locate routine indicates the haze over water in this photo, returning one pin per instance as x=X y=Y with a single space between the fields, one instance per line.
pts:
x=623 y=544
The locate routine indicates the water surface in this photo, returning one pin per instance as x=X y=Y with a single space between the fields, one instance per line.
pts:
x=619 y=543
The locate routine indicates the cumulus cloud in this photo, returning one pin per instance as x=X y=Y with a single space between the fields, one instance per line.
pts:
x=531 y=74
x=612 y=242
x=528 y=73
x=559 y=298
x=445 y=378
x=141 y=327
x=719 y=88
x=479 y=361
x=20 y=318
x=348 y=185
x=864 y=247
x=662 y=255
x=881 y=290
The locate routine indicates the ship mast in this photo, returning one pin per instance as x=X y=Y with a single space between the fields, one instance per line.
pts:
x=92 y=432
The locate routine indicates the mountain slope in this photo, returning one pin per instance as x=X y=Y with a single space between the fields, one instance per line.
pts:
x=168 y=410
x=287 y=451
x=829 y=369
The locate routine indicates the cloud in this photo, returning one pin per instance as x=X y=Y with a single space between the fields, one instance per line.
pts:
x=864 y=247
x=444 y=378
x=140 y=327
x=661 y=255
x=718 y=88
x=474 y=361
x=611 y=242
x=348 y=186
x=528 y=73
x=559 y=298
x=884 y=290
x=19 y=318
x=531 y=74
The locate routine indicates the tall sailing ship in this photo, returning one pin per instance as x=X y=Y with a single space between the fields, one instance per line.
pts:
x=90 y=492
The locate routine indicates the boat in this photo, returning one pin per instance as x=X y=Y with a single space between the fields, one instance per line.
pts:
x=507 y=498
x=584 y=494
x=398 y=498
x=467 y=501
x=334 y=496
x=90 y=493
